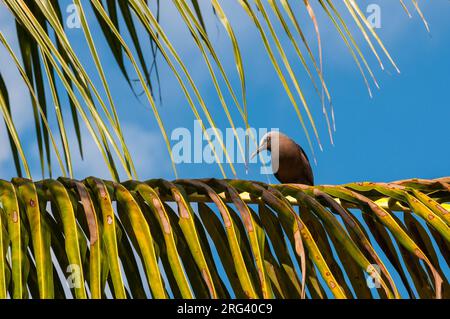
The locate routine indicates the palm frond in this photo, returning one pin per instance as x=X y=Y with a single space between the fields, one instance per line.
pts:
x=54 y=70
x=223 y=238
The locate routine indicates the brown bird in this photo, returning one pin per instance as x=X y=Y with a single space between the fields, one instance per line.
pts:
x=293 y=164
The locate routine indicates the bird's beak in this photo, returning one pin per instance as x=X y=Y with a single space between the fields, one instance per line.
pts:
x=259 y=149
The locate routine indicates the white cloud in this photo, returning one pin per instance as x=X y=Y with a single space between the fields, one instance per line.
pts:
x=7 y=169
x=147 y=149
x=3 y=142
x=17 y=90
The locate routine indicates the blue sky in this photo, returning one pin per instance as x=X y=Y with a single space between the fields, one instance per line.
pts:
x=402 y=132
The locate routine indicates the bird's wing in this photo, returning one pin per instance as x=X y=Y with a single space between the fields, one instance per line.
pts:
x=307 y=170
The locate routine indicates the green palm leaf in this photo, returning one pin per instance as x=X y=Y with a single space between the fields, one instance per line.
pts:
x=282 y=241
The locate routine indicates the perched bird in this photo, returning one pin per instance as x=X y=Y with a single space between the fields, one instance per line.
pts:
x=293 y=163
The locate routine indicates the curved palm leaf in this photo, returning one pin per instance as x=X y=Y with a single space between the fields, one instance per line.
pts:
x=224 y=238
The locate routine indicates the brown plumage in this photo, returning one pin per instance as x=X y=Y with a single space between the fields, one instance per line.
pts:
x=293 y=163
